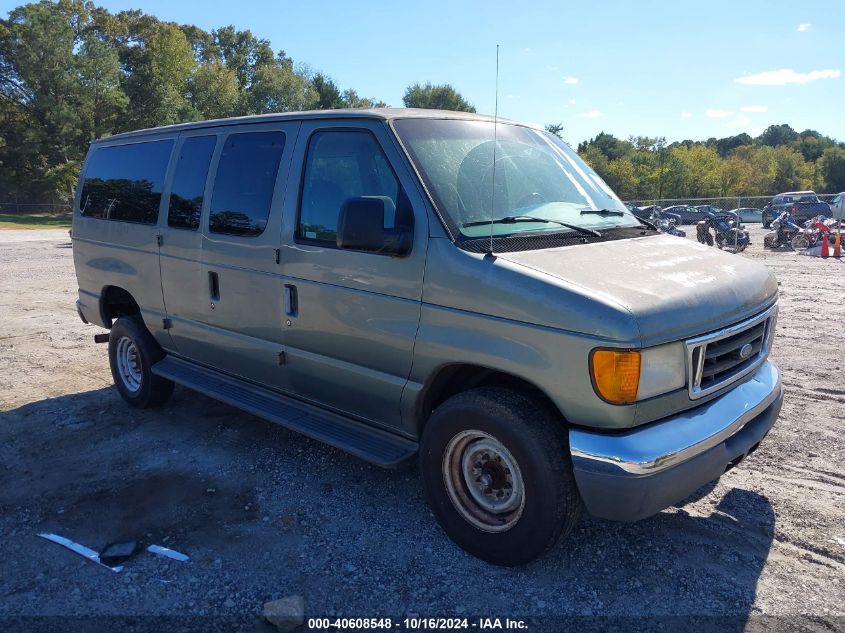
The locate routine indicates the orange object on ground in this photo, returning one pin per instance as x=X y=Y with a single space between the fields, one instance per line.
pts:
x=837 y=244
x=825 y=246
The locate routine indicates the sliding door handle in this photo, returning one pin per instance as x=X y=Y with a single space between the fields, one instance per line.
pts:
x=213 y=286
x=291 y=301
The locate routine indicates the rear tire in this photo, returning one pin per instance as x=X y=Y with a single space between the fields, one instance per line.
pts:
x=497 y=474
x=132 y=353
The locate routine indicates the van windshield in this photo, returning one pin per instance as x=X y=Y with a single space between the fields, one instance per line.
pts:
x=536 y=176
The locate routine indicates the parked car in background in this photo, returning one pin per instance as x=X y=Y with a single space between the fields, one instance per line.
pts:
x=709 y=208
x=686 y=213
x=647 y=211
x=749 y=215
x=837 y=206
x=803 y=205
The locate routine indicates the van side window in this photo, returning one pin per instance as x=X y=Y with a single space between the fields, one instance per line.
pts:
x=341 y=165
x=243 y=187
x=124 y=182
x=189 y=182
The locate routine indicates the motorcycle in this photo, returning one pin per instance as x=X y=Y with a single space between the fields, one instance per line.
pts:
x=815 y=230
x=729 y=233
x=783 y=231
x=667 y=223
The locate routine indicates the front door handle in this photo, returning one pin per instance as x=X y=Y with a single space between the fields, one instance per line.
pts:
x=291 y=301
x=213 y=286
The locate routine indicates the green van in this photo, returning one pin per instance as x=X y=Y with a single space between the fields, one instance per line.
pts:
x=401 y=283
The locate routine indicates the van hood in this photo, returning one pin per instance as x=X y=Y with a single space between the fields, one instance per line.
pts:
x=672 y=287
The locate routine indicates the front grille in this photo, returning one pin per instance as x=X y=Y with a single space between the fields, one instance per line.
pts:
x=720 y=358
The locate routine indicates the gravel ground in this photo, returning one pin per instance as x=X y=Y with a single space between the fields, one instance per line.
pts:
x=265 y=513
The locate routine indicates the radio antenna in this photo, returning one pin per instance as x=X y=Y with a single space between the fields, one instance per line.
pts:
x=495 y=143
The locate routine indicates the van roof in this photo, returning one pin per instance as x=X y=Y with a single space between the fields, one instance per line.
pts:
x=384 y=114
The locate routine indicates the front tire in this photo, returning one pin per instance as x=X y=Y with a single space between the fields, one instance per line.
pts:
x=497 y=474
x=132 y=353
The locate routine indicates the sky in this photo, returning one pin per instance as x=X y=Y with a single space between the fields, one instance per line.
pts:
x=682 y=69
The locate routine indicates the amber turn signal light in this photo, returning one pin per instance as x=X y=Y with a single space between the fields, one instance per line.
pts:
x=616 y=374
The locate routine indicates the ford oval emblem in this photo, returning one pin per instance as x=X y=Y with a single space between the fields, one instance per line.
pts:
x=745 y=351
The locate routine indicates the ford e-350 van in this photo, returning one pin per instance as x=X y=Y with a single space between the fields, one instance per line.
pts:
x=398 y=283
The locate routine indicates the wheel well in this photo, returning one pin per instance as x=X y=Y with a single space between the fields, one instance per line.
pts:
x=454 y=379
x=116 y=302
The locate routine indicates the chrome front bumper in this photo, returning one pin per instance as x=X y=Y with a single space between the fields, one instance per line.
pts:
x=635 y=474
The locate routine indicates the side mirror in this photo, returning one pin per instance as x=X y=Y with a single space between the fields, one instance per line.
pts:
x=361 y=227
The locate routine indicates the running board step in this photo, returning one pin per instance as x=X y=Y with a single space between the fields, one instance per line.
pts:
x=370 y=444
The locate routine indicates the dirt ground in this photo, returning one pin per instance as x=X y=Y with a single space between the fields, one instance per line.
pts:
x=264 y=513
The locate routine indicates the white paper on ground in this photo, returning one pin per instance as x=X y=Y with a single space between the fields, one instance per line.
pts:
x=169 y=553
x=79 y=549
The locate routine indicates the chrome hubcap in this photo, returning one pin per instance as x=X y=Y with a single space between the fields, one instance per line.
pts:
x=128 y=364
x=483 y=481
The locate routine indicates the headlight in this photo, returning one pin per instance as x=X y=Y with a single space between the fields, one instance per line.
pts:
x=625 y=376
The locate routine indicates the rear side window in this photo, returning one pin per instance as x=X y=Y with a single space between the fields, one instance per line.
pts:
x=189 y=182
x=124 y=182
x=342 y=165
x=243 y=187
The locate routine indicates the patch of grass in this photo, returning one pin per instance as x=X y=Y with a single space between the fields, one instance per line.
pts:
x=34 y=221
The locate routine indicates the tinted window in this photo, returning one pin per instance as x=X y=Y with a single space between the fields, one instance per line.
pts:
x=339 y=166
x=243 y=187
x=189 y=182
x=124 y=182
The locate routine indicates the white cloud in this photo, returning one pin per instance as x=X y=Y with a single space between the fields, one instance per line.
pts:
x=567 y=79
x=804 y=26
x=739 y=120
x=571 y=102
x=717 y=114
x=592 y=114
x=755 y=108
x=686 y=115
x=785 y=76
x=554 y=68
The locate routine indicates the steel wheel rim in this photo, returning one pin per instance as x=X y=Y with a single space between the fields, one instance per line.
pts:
x=128 y=364
x=483 y=481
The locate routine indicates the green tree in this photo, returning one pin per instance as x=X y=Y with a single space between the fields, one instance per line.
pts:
x=555 y=128
x=328 y=94
x=351 y=99
x=435 y=97
x=102 y=97
x=214 y=91
x=622 y=178
x=728 y=144
x=242 y=52
x=701 y=166
x=609 y=145
x=791 y=172
x=38 y=75
x=171 y=66
x=776 y=135
x=278 y=88
x=832 y=168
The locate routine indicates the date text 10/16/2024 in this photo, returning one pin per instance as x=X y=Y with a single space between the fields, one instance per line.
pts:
x=416 y=624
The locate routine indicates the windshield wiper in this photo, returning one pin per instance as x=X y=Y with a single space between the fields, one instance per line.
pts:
x=607 y=212
x=601 y=212
x=514 y=219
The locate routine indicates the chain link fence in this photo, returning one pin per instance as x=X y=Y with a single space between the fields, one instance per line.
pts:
x=15 y=207
x=726 y=203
